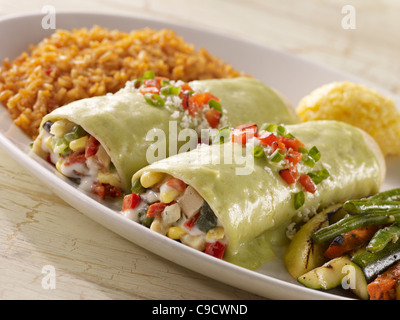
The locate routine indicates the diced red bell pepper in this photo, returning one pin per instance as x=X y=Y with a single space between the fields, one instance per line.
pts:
x=190 y=223
x=290 y=175
x=156 y=209
x=113 y=191
x=268 y=138
x=277 y=145
x=213 y=116
x=75 y=157
x=293 y=143
x=215 y=249
x=241 y=134
x=294 y=157
x=130 y=201
x=99 y=189
x=308 y=183
x=186 y=87
x=92 y=145
x=152 y=90
x=176 y=184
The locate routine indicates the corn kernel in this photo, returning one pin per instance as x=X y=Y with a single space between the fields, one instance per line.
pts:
x=109 y=178
x=78 y=144
x=168 y=194
x=175 y=233
x=215 y=233
x=149 y=179
x=61 y=127
x=58 y=165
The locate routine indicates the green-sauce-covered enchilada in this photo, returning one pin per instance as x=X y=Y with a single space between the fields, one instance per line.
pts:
x=206 y=200
x=102 y=141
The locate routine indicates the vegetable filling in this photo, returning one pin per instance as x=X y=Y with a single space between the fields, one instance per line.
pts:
x=170 y=207
x=80 y=157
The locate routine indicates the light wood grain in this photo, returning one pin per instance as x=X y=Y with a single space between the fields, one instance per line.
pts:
x=38 y=228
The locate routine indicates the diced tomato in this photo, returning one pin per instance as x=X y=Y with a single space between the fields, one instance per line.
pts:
x=92 y=145
x=99 y=189
x=215 y=249
x=293 y=143
x=113 y=191
x=294 y=157
x=204 y=98
x=241 y=134
x=75 y=157
x=196 y=101
x=277 y=145
x=290 y=175
x=156 y=209
x=190 y=223
x=186 y=87
x=176 y=184
x=130 y=201
x=152 y=83
x=268 y=138
x=308 y=183
x=213 y=116
x=152 y=90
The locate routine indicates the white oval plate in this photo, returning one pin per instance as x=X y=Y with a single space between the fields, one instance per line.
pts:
x=280 y=70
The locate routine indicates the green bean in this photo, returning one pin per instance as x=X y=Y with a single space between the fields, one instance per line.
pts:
x=368 y=206
x=383 y=236
x=389 y=195
x=351 y=222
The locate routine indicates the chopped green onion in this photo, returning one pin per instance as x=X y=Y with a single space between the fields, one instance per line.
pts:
x=138 y=82
x=314 y=153
x=277 y=156
x=308 y=161
x=319 y=176
x=258 y=152
x=289 y=135
x=164 y=83
x=268 y=127
x=154 y=99
x=170 y=90
x=222 y=135
x=214 y=104
x=299 y=200
x=149 y=75
x=302 y=150
x=281 y=130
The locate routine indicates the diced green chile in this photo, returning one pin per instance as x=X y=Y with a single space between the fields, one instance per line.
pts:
x=137 y=187
x=76 y=133
x=144 y=219
x=61 y=145
x=207 y=219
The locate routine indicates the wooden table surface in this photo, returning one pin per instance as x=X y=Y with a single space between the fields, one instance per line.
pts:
x=40 y=233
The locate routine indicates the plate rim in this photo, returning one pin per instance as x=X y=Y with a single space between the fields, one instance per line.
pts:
x=37 y=169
